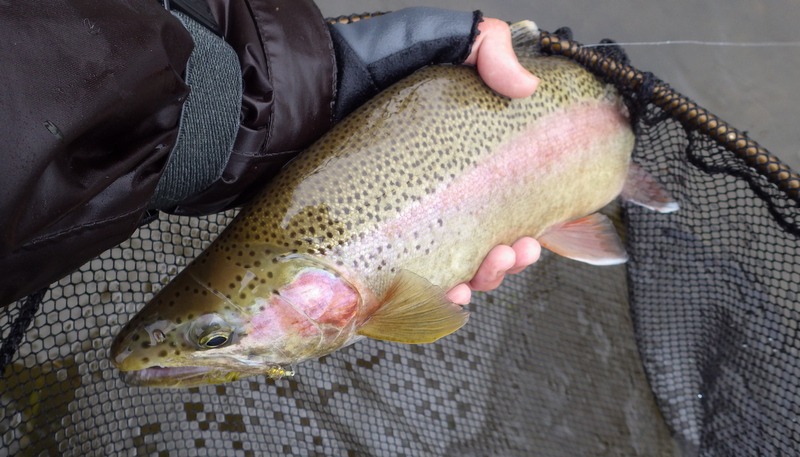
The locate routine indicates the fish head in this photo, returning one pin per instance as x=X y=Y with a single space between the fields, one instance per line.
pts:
x=220 y=321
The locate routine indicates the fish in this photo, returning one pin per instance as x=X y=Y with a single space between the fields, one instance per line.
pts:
x=362 y=234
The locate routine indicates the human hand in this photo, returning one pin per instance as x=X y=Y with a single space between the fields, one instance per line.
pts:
x=496 y=62
x=500 y=261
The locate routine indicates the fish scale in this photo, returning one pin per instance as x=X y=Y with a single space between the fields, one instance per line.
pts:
x=362 y=233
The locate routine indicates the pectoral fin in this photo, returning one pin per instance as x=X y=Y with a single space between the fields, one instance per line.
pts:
x=592 y=239
x=414 y=311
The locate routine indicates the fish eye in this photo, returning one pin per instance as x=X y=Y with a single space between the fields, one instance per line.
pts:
x=214 y=339
x=210 y=331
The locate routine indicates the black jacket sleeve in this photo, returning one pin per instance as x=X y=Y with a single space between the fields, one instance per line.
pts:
x=373 y=54
x=91 y=99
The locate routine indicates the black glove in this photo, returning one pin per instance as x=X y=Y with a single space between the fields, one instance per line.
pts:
x=373 y=54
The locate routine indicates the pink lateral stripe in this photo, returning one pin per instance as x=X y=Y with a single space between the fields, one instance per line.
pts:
x=538 y=150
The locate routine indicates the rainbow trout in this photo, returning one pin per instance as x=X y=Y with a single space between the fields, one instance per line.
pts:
x=363 y=233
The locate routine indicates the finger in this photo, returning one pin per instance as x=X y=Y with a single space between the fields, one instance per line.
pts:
x=460 y=294
x=493 y=268
x=527 y=252
x=497 y=64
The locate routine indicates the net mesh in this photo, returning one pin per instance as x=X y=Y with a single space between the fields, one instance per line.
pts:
x=715 y=294
x=526 y=373
x=689 y=349
x=714 y=285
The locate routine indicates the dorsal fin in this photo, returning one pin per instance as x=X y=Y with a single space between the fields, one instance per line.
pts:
x=414 y=311
x=525 y=38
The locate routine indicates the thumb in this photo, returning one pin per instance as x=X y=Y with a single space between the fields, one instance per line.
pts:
x=496 y=62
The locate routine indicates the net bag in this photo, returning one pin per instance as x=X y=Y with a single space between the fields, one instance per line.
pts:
x=689 y=349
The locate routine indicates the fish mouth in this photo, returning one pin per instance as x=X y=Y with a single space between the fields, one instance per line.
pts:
x=191 y=376
x=171 y=376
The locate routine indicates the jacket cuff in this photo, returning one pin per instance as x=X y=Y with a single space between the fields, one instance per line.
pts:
x=209 y=119
x=288 y=86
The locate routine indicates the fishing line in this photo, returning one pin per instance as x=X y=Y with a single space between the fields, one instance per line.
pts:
x=745 y=44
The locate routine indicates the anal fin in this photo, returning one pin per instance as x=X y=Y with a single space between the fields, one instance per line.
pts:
x=414 y=311
x=591 y=239
x=642 y=189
